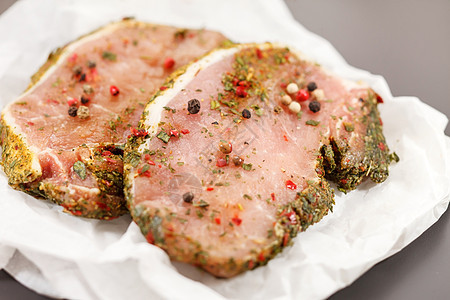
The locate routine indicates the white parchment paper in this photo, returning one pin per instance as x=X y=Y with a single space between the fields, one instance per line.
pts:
x=67 y=257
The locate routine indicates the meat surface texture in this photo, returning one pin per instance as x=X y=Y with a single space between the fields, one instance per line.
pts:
x=225 y=170
x=63 y=138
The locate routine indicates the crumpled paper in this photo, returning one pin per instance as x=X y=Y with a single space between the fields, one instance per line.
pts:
x=68 y=257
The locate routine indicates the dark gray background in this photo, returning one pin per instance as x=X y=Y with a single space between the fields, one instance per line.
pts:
x=407 y=42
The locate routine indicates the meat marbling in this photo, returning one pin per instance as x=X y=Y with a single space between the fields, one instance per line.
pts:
x=63 y=138
x=226 y=189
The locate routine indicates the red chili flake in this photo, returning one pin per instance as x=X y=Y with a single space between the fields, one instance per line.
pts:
x=236 y=220
x=138 y=133
x=243 y=83
x=76 y=212
x=283 y=85
x=302 y=95
x=259 y=53
x=169 y=62
x=343 y=181
x=240 y=92
x=209 y=189
x=381 y=121
x=221 y=162
x=291 y=216
x=381 y=146
x=52 y=101
x=379 y=99
x=285 y=239
x=261 y=256
x=72 y=102
x=185 y=131
x=149 y=237
x=250 y=264
x=174 y=133
x=101 y=205
x=159 y=166
x=73 y=58
x=217 y=220
x=290 y=185
x=30 y=123
x=285 y=138
x=147 y=173
x=235 y=81
x=272 y=196
x=114 y=90
x=163 y=88
x=147 y=158
x=110 y=160
x=106 y=153
x=191 y=35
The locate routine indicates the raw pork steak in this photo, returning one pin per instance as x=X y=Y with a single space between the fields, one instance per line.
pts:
x=63 y=138
x=231 y=161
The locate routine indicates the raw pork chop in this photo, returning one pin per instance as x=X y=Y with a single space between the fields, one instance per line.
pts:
x=63 y=138
x=225 y=169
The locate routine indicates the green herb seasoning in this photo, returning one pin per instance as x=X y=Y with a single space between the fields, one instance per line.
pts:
x=80 y=168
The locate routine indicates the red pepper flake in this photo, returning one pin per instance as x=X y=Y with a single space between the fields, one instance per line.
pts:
x=290 y=185
x=191 y=35
x=102 y=205
x=381 y=121
x=147 y=158
x=114 y=90
x=343 y=181
x=30 y=123
x=381 y=146
x=138 y=133
x=283 y=85
x=259 y=53
x=235 y=81
x=209 y=189
x=291 y=216
x=73 y=58
x=159 y=166
x=302 y=95
x=76 y=212
x=163 y=88
x=285 y=239
x=240 y=92
x=169 y=62
x=272 y=196
x=185 y=131
x=106 y=153
x=72 y=102
x=243 y=83
x=285 y=138
x=110 y=160
x=146 y=173
x=149 y=237
x=221 y=162
x=174 y=133
x=52 y=101
x=379 y=99
x=261 y=256
x=217 y=220
x=236 y=220
x=250 y=264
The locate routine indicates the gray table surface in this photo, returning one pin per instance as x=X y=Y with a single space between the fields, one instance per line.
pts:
x=407 y=42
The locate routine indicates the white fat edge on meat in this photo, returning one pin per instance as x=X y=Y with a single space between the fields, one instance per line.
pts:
x=8 y=118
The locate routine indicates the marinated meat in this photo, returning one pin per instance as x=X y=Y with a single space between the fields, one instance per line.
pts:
x=231 y=161
x=63 y=138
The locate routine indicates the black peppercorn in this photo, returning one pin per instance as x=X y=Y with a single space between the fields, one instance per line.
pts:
x=84 y=100
x=314 y=106
x=246 y=114
x=73 y=111
x=91 y=64
x=312 y=86
x=188 y=197
x=82 y=77
x=193 y=106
